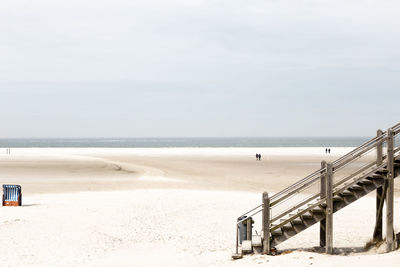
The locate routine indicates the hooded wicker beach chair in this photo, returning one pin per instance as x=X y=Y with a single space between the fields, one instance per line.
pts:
x=12 y=195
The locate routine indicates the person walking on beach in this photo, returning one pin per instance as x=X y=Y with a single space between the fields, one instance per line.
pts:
x=257 y=156
x=329 y=151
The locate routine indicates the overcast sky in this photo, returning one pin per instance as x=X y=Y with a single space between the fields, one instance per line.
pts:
x=188 y=68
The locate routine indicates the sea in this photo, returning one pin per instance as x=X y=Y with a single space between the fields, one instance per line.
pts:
x=186 y=142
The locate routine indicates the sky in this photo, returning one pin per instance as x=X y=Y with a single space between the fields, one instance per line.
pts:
x=198 y=68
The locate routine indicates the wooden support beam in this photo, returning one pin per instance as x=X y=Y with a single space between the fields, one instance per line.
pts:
x=380 y=192
x=266 y=224
x=380 y=197
x=237 y=241
x=390 y=242
x=379 y=149
x=329 y=209
x=322 y=224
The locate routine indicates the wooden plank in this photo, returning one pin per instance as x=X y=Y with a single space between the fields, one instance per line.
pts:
x=329 y=209
x=322 y=224
x=379 y=149
x=380 y=192
x=390 y=244
x=266 y=223
x=237 y=240
x=377 y=236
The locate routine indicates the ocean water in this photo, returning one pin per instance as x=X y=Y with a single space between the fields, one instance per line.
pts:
x=186 y=142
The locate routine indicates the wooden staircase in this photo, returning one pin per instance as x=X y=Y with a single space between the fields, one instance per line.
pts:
x=302 y=219
x=376 y=174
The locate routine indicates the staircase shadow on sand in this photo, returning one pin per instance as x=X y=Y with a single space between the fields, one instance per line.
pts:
x=341 y=251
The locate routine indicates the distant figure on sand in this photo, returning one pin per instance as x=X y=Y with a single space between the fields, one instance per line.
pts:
x=329 y=151
x=257 y=156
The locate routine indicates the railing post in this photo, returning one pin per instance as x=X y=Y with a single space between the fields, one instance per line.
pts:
x=379 y=149
x=322 y=224
x=266 y=223
x=329 y=209
x=390 y=244
x=237 y=240
x=377 y=236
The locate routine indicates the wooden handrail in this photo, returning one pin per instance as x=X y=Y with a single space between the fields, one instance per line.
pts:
x=314 y=200
x=337 y=164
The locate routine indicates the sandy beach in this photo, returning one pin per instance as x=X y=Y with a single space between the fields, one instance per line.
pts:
x=130 y=129
x=165 y=206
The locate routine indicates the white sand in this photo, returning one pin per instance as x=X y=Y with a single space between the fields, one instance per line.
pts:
x=179 y=224
x=161 y=227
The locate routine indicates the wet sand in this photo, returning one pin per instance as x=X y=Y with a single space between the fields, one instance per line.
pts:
x=71 y=170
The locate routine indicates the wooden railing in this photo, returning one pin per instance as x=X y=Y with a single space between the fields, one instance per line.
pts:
x=317 y=182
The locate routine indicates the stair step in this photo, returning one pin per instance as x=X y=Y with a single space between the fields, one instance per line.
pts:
x=256 y=241
x=356 y=188
x=366 y=182
x=306 y=216
x=273 y=225
x=347 y=193
x=318 y=210
x=337 y=198
x=300 y=210
x=246 y=246
x=287 y=226
x=237 y=256
x=297 y=221
x=382 y=172
x=375 y=176
x=277 y=232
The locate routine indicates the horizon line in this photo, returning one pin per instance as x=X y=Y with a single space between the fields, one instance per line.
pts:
x=188 y=137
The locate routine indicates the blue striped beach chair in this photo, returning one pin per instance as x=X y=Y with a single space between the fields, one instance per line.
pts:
x=12 y=195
